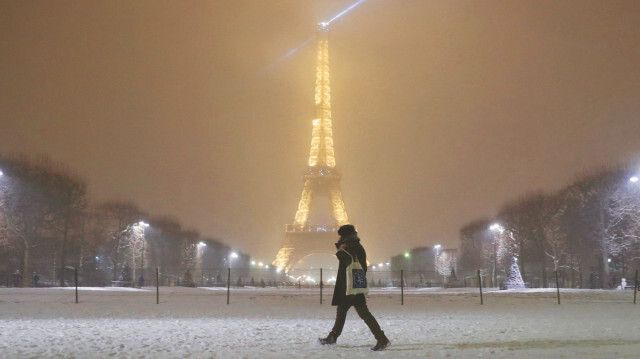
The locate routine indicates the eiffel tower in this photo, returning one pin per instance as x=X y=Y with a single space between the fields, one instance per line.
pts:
x=303 y=238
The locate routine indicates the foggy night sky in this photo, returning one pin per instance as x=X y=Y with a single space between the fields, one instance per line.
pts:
x=442 y=110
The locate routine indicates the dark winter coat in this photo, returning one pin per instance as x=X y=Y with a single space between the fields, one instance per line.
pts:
x=354 y=248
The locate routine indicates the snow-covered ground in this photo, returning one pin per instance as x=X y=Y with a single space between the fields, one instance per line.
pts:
x=283 y=323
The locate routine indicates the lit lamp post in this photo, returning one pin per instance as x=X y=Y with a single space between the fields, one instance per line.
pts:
x=499 y=229
x=232 y=256
x=142 y=225
x=389 y=280
x=201 y=246
x=437 y=248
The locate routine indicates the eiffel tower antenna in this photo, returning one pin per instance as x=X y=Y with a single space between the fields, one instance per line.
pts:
x=327 y=23
x=321 y=179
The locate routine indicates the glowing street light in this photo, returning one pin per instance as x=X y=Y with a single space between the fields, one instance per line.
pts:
x=199 y=254
x=406 y=254
x=232 y=256
x=142 y=225
x=495 y=228
x=633 y=179
x=437 y=248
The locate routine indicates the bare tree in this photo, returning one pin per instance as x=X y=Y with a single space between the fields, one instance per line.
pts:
x=513 y=217
x=474 y=240
x=594 y=191
x=120 y=216
x=70 y=202
x=28 y=204
x=165 y=245
x=622 y=234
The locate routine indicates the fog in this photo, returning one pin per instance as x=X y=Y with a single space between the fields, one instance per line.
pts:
x=442 y=110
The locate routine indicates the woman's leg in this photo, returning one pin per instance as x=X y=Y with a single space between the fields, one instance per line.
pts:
x=341 y=316
x=371 y=322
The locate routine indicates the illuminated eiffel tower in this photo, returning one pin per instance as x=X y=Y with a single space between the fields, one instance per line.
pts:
x=303 y=238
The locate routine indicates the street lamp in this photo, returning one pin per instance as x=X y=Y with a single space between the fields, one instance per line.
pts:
x=499 y=229
x=199 y=254
x=437 y=248
x=142 y=225
x=232 y=256
x=633 y=179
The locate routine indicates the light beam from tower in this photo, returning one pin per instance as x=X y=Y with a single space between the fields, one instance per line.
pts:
x=327 y=23
x=345 y=11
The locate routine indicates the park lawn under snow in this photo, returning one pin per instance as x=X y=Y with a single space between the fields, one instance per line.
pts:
x=283 y=323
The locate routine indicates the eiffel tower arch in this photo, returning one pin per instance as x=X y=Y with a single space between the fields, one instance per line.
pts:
x=303 y=238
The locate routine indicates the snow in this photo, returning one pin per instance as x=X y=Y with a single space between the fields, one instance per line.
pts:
x=283 y=323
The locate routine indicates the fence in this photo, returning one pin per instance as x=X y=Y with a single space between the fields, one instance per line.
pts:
x=305 y=278
x=312 y=278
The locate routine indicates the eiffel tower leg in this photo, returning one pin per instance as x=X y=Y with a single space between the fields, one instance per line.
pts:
x=339 y=212
x=302 y=214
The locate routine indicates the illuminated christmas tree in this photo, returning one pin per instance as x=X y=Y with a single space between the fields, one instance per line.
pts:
x=514 y=281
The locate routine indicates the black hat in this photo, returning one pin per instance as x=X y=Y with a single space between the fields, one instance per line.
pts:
x=346 y=230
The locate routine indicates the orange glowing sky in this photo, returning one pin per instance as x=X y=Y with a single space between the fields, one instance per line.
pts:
x=442 y=110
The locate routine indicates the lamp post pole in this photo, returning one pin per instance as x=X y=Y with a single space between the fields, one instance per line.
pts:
x=497 y=229
x=201 y=247
x=495 y=257
x=437 y=265
x=142 y=264
x=142 y=225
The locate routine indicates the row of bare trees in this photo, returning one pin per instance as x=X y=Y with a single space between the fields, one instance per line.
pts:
x=48 y=225
x=588 y=231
